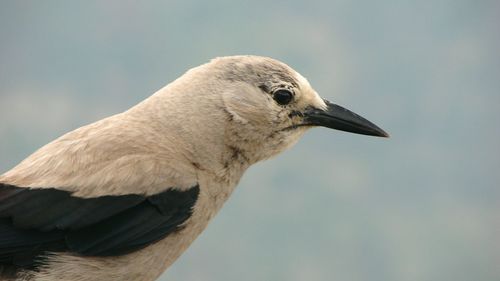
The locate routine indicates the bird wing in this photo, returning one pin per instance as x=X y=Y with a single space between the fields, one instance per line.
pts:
x=33 y=221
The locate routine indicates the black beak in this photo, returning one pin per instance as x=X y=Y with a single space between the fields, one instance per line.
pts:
x=339 y=118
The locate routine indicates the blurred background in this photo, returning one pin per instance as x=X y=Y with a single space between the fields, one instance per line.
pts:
x=422 y=205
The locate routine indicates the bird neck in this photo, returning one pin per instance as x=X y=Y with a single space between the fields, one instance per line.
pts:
x=197 y=131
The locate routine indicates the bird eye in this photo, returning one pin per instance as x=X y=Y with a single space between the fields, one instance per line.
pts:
x=283 y=97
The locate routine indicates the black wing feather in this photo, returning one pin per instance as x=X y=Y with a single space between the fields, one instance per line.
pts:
x=34 y=221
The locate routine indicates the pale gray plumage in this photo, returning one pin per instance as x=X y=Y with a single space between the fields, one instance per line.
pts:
x=205 y=128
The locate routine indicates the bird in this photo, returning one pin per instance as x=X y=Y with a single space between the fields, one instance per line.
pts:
x=124 y=197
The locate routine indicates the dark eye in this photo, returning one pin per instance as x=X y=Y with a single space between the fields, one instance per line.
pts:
x=283 y=97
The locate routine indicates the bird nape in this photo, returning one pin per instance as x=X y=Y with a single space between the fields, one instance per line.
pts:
x=123 y=198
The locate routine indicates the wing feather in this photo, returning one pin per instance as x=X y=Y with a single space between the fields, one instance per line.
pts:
x=34 y=221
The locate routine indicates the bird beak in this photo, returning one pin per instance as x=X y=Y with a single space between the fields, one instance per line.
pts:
x=339 y=118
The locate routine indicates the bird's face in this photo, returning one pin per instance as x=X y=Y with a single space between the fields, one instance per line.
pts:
x=273 y=105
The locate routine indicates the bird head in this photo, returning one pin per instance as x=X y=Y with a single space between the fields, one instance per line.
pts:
x=247 y=108
x=271 y=105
